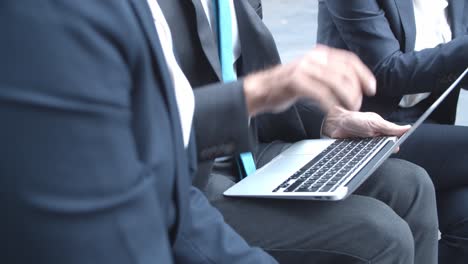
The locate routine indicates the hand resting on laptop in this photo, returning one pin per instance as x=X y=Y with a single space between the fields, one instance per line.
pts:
x=342 y=123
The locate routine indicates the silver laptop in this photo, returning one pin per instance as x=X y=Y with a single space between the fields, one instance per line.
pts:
x=325 y=169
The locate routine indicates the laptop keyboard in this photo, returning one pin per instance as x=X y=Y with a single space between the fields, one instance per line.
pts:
x=328 y=170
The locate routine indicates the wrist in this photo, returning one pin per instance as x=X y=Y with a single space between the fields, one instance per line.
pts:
x=266 y=91
x=253 y=94
x=332 y=121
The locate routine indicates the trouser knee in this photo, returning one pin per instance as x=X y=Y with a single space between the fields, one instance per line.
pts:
x=408 y=189
x=394 y=240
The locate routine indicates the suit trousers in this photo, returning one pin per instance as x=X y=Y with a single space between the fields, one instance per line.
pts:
x=391 y=218
x=443 y=151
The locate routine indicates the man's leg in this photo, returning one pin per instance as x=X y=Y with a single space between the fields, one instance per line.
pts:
x=357 y=230
x=360 y=229
x=408 y=190
x=453 y=211
x=443 y=151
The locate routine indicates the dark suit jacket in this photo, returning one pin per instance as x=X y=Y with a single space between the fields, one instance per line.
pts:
x=382 y=33
x=93 y=167
x=198 y=57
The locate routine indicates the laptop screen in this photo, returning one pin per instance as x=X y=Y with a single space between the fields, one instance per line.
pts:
x=432 y=108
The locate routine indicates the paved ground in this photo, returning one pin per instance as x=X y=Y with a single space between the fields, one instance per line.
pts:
x=294 y=25
x=462 y=116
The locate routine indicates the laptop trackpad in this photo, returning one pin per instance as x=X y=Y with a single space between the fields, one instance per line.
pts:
x=308 y=147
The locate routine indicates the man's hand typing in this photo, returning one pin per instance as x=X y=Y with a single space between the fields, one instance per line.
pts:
x=325 y=75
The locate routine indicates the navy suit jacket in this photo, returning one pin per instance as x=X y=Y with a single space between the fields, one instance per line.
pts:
x=383 y=33
x=92 y=163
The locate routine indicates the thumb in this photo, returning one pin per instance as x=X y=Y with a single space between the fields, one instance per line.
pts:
x=392 y=129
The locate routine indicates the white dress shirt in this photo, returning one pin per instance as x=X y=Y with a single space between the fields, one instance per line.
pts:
x=432 y=29
x=183 y=90
x=212 y=18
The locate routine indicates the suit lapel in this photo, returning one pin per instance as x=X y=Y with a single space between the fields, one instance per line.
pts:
x=181 y=177
x=258 y=53
x=406 y=12
x=252 y=34
x=257 y=44
x=455 y=15
x=206 y=37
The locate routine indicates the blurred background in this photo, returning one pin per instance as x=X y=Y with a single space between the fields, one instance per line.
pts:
x=294 y=27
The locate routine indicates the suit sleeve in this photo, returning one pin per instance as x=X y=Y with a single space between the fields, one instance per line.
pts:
x=312 y=118
x=221 y=120
x=366 y=31
x=299 y=122
x=207 y=226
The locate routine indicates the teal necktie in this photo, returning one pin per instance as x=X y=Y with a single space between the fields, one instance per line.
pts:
x=226 y=54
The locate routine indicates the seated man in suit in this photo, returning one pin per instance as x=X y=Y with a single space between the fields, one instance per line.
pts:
x=378 y=216
x=97 y=152
x=416 y=49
